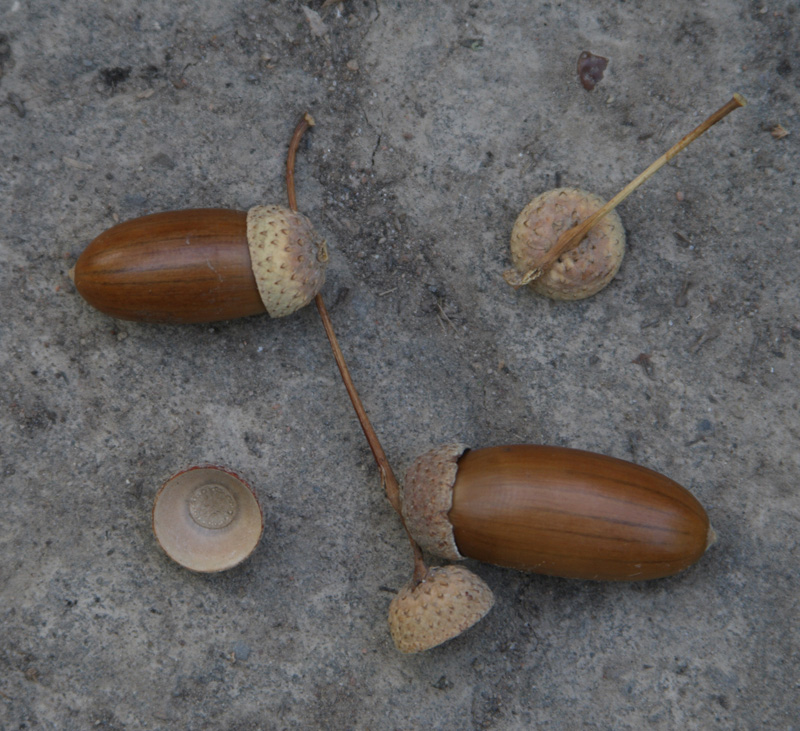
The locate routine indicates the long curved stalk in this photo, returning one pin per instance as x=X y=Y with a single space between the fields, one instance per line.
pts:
x=388 y=479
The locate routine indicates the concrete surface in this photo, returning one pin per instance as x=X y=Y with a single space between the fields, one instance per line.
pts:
x=436 y=123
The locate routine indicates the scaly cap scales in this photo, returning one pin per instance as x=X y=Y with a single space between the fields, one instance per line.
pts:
x=428 y=497
x=288 y=257
x=446 y=603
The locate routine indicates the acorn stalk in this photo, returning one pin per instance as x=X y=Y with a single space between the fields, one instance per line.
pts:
x=548 y=250
x=436 y=604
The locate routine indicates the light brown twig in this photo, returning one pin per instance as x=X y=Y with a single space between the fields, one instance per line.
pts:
x=573 y=236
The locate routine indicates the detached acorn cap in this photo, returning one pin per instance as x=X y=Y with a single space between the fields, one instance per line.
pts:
x=428 y=497
x=207 y=519
x=288 y=258
x=446 y=603
x=584 y=270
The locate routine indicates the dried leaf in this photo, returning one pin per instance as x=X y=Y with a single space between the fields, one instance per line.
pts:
x=590 y=69
x=779 y=132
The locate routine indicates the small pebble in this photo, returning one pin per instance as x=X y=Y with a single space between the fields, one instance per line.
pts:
x=241 y=651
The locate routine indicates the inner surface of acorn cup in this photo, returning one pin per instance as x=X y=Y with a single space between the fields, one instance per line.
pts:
x=207 y=519
x=578 y=273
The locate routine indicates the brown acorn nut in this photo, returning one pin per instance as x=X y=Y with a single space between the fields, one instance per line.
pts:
x=203 y=265
x=553 y=510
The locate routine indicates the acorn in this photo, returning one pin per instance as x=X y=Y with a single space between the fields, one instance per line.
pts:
x=553 y=510
x=204 y=265
x=567 y=245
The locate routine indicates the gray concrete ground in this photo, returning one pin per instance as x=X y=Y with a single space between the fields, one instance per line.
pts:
x=436 y=123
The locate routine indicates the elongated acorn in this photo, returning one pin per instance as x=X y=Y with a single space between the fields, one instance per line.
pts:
x=552 y=510
x=203 y=265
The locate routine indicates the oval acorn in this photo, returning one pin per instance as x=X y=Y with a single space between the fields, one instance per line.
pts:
x=553 y=510
x=203 y=265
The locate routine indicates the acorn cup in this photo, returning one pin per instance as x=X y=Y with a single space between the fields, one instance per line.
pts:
x=447 y=602
x=567 y=245
x=207 y=518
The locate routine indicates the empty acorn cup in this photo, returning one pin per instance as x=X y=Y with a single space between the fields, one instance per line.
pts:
x=207 y=519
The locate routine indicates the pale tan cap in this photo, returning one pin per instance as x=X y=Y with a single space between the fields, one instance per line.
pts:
x=448 y=602
x=288 y=258
x=584 y=270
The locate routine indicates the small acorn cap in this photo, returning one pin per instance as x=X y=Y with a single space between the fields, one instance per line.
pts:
x=443 y=605
x=584 y=270
x=427 y=498
x=207 y=519
x=288 y=258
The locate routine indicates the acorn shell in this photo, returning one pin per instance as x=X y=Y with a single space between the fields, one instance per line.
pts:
x=584 y=270
x=446 y=603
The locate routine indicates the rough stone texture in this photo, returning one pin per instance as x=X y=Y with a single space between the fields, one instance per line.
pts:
x=436 y=124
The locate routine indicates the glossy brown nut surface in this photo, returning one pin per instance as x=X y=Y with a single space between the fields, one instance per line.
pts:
x=177 y=266
x=571 y=513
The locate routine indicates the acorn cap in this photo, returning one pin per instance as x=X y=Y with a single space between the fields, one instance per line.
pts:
x=427 y=498
x=584 y=270
x=288 y=258
x=207 y=519
x=446 y=603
